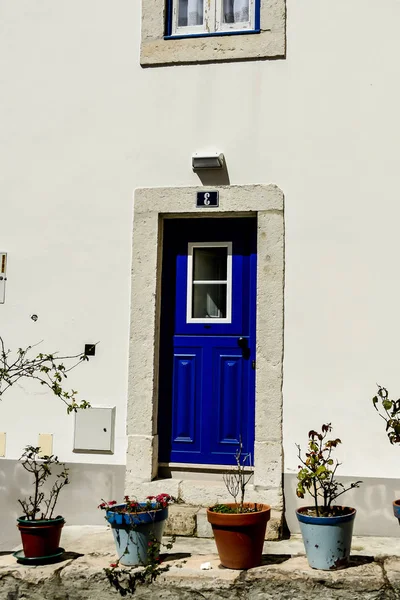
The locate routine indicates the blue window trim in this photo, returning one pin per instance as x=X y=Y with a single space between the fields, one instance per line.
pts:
x=168 y=29
x=257 y=23
x=215 y=34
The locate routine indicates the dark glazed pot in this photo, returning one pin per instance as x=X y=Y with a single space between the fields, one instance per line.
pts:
x=40 y=538
x=240 y=536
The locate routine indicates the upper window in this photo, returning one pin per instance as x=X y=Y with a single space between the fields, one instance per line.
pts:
x=199 y=17
x=200 y=31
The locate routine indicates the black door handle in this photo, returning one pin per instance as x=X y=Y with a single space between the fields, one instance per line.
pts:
x=243 y=343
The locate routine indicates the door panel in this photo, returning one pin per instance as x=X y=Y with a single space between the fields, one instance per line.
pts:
x=228 y=396
x=233 y=389
x=186 y=398
x=207 y=380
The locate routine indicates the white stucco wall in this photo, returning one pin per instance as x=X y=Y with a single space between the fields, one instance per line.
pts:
x=83 y=125
x=66 y=206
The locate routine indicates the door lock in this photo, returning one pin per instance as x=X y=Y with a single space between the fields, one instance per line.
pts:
x=243 y=344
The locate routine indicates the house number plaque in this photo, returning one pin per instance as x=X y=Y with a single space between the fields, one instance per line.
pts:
x=207 y=199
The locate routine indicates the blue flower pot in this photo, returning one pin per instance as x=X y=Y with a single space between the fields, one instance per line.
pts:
x=396 y=509
x=133 y=532
x=327 y=540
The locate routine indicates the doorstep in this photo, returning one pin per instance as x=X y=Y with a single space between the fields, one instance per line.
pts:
x=374 y=572
x=189 y=520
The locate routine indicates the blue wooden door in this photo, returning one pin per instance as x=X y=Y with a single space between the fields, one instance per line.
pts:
x=207 y=350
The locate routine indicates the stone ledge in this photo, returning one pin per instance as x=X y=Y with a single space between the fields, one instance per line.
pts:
x=182 y=520
x=189 y=520
x=80 y=576
x=280 y=576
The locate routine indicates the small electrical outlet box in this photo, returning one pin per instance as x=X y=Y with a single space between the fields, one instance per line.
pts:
x=90 y=349
x=94 y=430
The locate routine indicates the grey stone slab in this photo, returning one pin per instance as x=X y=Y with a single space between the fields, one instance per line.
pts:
x=203 y=528
x=391 y=571
x=284 y=574
x=293 y=578
x=181 y=520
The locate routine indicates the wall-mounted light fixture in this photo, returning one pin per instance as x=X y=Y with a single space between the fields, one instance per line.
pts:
x=207 y=160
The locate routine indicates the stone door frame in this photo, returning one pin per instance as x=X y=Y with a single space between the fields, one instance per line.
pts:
x=151 y=206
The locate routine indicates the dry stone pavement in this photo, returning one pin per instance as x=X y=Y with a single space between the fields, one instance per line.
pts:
x=284 y=575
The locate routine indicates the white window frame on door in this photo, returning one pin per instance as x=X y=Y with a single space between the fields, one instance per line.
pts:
x=212 y=20
x=228 y=281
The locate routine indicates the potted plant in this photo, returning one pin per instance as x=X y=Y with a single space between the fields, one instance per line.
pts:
x=326 y=528
x=389 y=411
x=40 y=534
x=40 y=530
x=137 y=528
x=239 y=527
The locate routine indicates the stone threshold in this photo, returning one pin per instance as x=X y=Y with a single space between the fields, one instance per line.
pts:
x=374 y=572
x=189 y=520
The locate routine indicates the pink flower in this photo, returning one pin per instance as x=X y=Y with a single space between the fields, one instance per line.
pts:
x=133 y=506
x=163 y=497
x=113 y=565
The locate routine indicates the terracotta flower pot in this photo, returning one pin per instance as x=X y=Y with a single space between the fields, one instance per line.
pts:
x=40 y=538
x=240 y=536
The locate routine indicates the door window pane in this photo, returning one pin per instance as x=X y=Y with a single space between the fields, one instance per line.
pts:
x=209 y=264
x=190 y=12
x=209 y=301
x=209 y=282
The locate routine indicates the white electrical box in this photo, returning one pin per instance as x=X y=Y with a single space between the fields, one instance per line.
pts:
x=3 y=276
x=94 y=430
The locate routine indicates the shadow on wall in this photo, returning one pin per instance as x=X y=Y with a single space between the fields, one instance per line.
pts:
x=372 y=500
x=77 y=502
x=214 y=177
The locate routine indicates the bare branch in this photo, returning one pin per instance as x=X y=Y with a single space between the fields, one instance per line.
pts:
x=47 y=369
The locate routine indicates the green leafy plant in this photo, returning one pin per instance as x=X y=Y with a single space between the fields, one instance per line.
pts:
x=317 y=473
x=235 y=483
x=41 y=467
x=126 y=579
x=48 y=369
x=389 y=411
